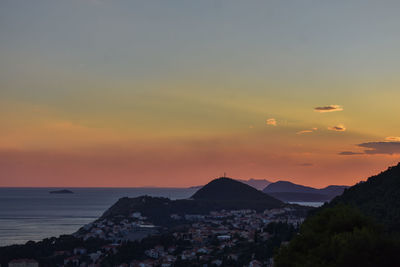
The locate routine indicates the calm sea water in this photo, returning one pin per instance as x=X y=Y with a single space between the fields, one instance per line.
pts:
x=33 y=213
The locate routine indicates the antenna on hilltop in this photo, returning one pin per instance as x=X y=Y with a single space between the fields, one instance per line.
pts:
x=224 y=174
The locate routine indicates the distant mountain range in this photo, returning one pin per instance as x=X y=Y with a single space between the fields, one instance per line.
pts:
x=288 y=191
x=291 y=192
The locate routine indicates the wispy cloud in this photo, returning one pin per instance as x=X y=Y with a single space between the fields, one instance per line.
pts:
x=304 y=131
x=393 y=138
x=329 y=108
x=307 y=131
x=271 y=121
x=337 y=128
x=389 y=148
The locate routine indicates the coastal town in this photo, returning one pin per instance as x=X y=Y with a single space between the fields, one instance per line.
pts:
x=225 y=223
x=220 y=238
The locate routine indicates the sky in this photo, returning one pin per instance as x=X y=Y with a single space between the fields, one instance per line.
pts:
x=98 y=93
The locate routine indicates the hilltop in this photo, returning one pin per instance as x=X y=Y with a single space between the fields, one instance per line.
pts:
x=258 y=184
x=227 y=189
x=227 y=193
x=288 y=191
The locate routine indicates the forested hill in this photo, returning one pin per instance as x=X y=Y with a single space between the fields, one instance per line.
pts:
x=359 y=228
x=378 y=197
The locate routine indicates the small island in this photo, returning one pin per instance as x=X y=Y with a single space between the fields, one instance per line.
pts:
x=63 y=191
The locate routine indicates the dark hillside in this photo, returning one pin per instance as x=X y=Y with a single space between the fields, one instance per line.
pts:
x=361 y=227
x=378 y=197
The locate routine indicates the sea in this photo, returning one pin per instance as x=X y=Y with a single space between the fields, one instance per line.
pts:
x=34 y=214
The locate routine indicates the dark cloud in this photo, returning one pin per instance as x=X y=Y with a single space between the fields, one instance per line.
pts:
x=381 y=147
x=330 y=108
x=337 y=128
x=306 y=164
x=373 y=148
x=349 y=153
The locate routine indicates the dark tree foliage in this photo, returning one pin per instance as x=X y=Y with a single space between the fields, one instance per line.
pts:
x=378 y=197
x=340 y=236
x=280 y=230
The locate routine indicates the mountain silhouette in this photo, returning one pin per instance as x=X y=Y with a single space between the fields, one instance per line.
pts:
x=258 y=184
x=227 y=189
x=288 y=191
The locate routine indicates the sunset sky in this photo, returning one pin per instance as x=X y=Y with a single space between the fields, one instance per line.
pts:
x=175 y=93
